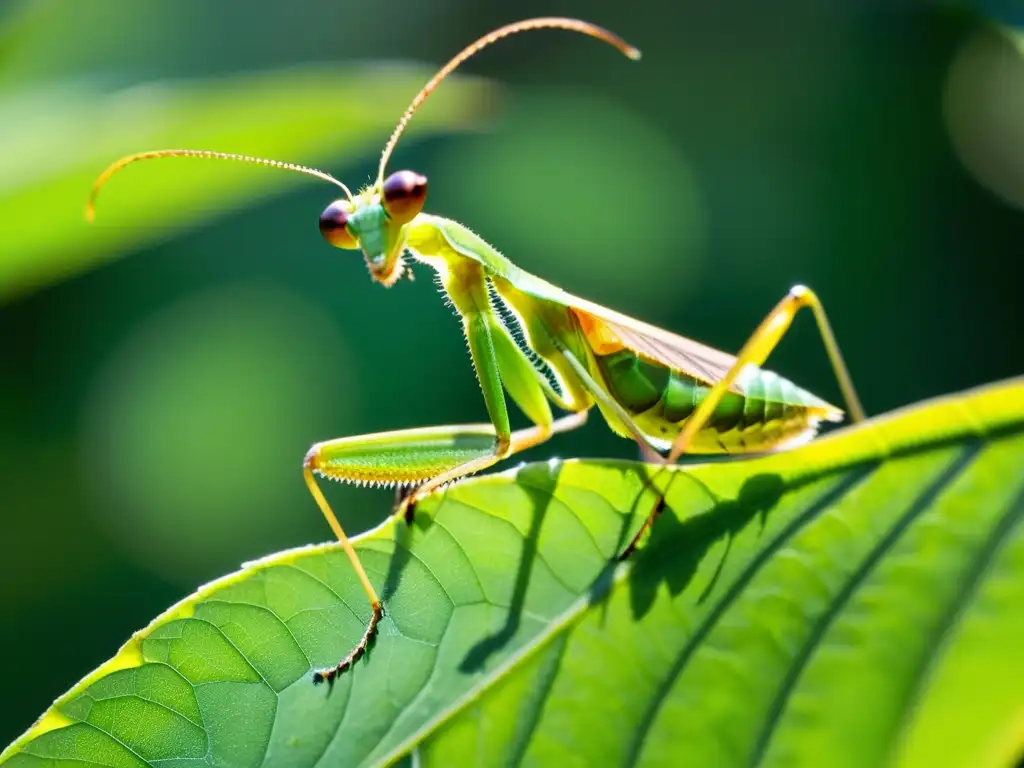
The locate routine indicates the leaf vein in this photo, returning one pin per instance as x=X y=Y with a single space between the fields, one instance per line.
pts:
x=919 y=506
x=826 y=501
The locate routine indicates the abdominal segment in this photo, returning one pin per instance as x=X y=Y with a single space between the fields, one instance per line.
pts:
x=767 y=411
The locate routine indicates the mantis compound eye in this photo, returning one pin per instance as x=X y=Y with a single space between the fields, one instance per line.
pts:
x=334 y=225
x=403 y=194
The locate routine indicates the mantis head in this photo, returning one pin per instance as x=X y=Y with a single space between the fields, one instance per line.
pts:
x=375 y=221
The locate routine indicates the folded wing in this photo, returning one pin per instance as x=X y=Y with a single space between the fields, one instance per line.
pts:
x=608 y=331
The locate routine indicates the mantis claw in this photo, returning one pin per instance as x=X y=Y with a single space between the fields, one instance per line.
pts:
x=659 y=507
x=410 y=512
x=330 y=674
x=405 y=503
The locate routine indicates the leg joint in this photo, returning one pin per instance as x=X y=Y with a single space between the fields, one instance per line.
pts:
x=803 y=296
x=502 y=446
x=311 y=462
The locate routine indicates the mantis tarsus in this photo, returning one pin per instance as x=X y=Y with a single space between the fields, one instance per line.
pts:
x=541 y=345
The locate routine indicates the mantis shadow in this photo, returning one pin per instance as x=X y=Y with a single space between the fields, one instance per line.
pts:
x=539 y=482
x=677 y=546
x=401 y=555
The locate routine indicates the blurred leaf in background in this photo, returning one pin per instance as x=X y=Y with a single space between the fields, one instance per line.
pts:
x=208 y=389
x=599 y=221
x=984 y=108
x=57 y=140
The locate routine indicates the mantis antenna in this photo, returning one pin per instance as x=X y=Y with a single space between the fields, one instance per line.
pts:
x=551 y=22
x=90 y=208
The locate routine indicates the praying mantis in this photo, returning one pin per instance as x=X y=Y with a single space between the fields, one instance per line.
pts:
x=542 y=346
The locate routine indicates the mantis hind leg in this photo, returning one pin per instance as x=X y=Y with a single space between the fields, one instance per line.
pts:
x=762 y=341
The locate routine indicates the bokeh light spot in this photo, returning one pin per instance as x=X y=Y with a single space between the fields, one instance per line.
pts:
x=194 y=431
x=984 y=106
x=585 y=193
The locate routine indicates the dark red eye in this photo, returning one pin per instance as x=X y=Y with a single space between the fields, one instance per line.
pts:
x=334 y=225
x=403 y=194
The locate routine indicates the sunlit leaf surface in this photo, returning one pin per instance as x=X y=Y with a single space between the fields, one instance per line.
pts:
x=858 y=598
x=54 y=143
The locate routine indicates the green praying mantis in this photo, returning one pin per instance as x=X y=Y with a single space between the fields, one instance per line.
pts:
x=540 y=345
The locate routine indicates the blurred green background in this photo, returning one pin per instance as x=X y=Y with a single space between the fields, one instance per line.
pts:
x=155 y=408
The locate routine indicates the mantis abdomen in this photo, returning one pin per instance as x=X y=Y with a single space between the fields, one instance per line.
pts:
x=769 y=411
x=658 y=380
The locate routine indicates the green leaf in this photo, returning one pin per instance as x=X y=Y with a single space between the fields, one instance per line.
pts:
x=56 y=142
x=852 y=602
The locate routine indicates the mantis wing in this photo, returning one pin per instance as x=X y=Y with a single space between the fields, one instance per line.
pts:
x=608 y=331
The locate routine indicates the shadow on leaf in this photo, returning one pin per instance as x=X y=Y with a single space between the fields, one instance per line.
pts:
x=539 y=482
x=686 y=542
